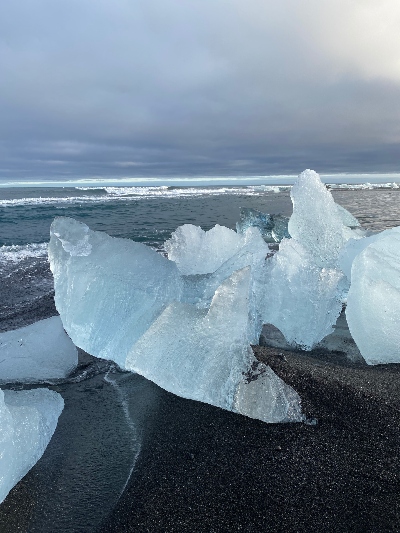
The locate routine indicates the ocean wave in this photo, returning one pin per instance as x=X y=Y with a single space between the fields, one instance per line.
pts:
x=17 y=253
x=138 y=193
x=166 y=191
x=365 y=186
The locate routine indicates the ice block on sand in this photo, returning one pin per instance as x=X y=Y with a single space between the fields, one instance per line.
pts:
x=27 y=422
x=40 y=351
x=373 y=302
x=197 y=351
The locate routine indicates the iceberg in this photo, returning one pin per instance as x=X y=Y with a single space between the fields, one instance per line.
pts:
x=37 y=352
x=304 y=286
x=373 y=302
x=108 y=291
x=27 y=422
x=198 y=350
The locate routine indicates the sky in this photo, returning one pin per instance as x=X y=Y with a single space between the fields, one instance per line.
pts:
x=125 y=88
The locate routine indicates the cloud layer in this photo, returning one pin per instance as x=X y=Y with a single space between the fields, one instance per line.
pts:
x=165 y=87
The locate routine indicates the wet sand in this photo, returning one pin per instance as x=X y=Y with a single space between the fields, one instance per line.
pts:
x=208 y=470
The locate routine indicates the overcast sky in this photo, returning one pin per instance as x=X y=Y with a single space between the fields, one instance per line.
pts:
x=185 y=87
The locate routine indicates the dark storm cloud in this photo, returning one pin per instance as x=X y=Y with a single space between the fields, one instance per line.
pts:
x=163 y=87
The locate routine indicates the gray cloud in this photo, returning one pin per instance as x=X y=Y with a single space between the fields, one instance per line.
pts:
x=165 y=87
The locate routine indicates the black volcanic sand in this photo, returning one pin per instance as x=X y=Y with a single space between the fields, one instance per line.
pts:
x=202 y=469
x=207 y=470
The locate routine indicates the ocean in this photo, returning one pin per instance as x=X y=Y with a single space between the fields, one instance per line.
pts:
x=108 y=414
x=144 y=214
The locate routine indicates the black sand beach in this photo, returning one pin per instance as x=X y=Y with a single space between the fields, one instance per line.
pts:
x=208 y=470
x=202 y=469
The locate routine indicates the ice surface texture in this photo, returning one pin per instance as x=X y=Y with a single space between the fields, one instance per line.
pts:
x=123 y=301
x=373 y=304
x=273 y=228
x=27 y=422
x=302 y=299
x=207 y=258
x=202 y=252
x=37 y=352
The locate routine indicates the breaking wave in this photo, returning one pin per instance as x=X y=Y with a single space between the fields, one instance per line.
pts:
x=17 y=253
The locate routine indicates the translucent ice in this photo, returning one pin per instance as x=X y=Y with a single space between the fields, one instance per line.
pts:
x=27 y=422
x=373 y=303
x=301 y=299
x=304 y=285
x=347 y=218
x=205 y=354
x=317 y=222
x=39 y=351
x=198 y=350
x=199 y=289
x=353 y=247
x=273 y=228
x=196 y=251
x=107 y=290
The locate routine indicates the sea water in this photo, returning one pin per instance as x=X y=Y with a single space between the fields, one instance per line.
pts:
x=108 y=413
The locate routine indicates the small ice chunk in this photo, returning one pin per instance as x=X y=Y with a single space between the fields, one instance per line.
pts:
x=253 y=218
x=373 y=303
x=196 y=251
x=280 y=230
x=40 y=351
x=301 y=299
x=28 y=420
x=107 y=290
x=273 y=228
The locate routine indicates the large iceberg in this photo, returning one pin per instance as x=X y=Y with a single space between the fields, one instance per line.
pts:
x=125 y=302
x=27 y=422
x=37 y=352
x=304 y=286
x=373 y=303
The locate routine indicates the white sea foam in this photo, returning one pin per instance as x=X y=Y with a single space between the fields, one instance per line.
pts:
x=17 y=253
x=136 y=193
x=367 y=185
